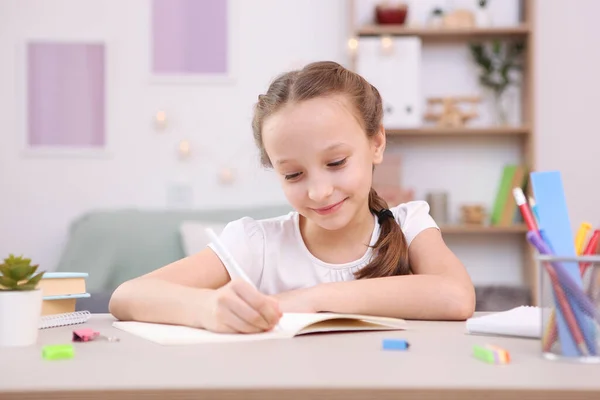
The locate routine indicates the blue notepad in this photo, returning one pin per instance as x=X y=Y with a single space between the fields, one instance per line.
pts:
x=555 y=222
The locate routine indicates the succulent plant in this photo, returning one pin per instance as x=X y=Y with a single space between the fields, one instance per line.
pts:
x=17 y=273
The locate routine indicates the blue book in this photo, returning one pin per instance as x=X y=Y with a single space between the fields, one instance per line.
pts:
x=65 y=275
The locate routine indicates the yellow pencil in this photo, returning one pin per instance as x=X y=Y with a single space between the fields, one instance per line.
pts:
x=582 y=233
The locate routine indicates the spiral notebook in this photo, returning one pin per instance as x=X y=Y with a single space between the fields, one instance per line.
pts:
x=523 y=321
x=56 y=320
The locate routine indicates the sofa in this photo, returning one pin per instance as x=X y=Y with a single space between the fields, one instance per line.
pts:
x=113 y=246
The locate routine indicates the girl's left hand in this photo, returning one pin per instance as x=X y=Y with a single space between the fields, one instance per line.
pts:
x=297 y=301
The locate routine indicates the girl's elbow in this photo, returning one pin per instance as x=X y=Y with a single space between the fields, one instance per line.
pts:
x=117 y=305
x=463 y=302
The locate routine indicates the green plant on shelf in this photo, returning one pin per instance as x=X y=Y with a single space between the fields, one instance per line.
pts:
x=497 y=60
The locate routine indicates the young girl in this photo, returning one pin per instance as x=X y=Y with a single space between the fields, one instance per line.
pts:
x=342 y=250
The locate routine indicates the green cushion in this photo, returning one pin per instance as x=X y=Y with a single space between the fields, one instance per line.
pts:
x=115 y=246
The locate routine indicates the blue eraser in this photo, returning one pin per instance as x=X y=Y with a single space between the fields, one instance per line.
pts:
x=395 y=344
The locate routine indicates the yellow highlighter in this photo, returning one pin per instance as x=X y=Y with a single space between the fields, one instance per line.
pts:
x=582 y=233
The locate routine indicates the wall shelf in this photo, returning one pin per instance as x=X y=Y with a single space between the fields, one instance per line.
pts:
x=435 y=131
x=483 y=229
x=475 y=34
x=524 y=31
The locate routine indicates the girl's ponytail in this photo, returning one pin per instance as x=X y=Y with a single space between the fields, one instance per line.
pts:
x=391 y=250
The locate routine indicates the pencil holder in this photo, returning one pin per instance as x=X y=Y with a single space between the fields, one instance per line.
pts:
x=569 y=299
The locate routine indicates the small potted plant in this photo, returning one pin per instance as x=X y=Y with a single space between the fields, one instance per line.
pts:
x=497 y=61
x=20 y=302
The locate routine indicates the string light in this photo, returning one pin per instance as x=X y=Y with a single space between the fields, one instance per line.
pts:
x=387 y=44
x=184 y=149
x=160 y=120
x=353 y=45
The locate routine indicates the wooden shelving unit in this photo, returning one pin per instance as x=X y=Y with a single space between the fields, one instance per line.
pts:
x=523 y=31
x=454 y=132
x=471 y=34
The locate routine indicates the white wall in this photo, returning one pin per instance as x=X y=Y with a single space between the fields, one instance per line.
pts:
x=39 y=197
x=567 y=89
x=37 y=202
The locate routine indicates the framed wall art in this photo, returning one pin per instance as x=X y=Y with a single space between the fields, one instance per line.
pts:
x=192 y=41
x=62 y=97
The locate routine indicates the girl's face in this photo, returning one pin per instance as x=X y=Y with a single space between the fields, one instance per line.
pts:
x=323 y=158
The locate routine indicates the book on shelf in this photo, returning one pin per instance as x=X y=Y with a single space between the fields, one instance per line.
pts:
x=505 y=212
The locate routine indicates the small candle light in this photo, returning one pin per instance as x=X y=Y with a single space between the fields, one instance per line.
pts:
x=184 y=149
x=226 y=175
x=160 y=120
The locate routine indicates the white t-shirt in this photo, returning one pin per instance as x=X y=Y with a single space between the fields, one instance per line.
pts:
x=274 y=256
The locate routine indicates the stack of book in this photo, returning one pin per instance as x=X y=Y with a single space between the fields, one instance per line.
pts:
x=60 y=291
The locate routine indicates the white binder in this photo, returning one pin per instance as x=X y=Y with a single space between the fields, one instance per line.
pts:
x=396 y=72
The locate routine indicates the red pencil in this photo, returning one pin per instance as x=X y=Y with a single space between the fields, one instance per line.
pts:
x=567 y=312
x=589 y=250
x=525 y=210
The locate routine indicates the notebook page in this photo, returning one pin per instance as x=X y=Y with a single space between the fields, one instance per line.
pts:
x=180 y=335
x=289 y=325
x=523 y=321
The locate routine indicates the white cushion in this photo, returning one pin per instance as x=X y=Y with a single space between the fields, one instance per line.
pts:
x=193 y=236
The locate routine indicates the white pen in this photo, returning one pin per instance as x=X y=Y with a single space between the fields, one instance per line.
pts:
x=229 y=261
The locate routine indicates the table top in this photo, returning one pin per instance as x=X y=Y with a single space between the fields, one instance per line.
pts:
x=349 y=365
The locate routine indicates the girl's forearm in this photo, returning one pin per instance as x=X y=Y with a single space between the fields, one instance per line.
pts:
x=411 y=297
x=155 y=300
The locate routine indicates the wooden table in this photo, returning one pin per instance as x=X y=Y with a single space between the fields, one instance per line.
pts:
x=438 y=365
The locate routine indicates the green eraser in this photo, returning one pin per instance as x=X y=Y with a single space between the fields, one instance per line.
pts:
x=484 y=354
x=58 y=352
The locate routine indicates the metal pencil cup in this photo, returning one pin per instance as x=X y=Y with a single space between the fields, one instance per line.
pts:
x=569 y=302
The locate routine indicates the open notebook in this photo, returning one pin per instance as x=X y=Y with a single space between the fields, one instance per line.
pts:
x=523 y=321
x=290 y=325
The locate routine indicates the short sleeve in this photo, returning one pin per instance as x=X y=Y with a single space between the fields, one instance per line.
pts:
x=413 y=218
x=244 y=239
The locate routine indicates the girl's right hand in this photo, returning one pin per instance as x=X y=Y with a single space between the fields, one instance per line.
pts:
x=238 y=307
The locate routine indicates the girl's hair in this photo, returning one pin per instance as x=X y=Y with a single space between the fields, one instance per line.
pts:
x=328 y=78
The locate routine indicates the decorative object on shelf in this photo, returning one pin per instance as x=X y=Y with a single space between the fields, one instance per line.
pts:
x=20 y=302
x=386 y=13
x=483 y=18
x=438 y=206
x=473 y=214
x=160 y=120
x=451 y=116
x=436 y=19
x=458 y=19
x=497 y=61
x=387 y=181
x=393 y=65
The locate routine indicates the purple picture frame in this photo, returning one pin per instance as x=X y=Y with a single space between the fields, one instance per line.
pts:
x=64 y=96
x=191 y=40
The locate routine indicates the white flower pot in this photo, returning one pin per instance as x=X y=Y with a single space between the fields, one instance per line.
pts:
x=20 y=312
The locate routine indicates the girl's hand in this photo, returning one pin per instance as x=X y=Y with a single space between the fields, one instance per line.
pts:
x=298 y=301
x=238 y=307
